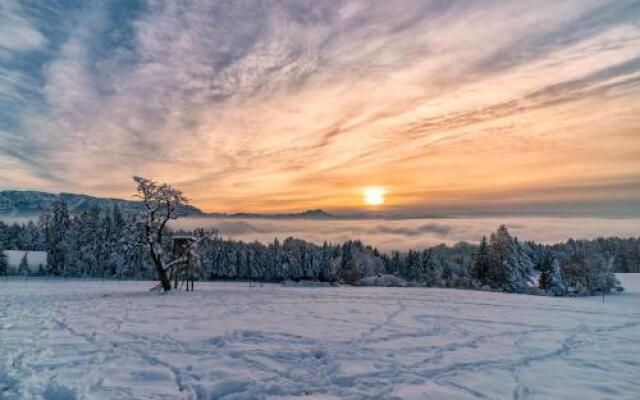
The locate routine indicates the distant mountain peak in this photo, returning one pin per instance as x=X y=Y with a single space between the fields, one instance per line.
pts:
x=318 y=212
x=310 y=214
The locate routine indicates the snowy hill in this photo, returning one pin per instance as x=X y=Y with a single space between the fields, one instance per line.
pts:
x=18 y=203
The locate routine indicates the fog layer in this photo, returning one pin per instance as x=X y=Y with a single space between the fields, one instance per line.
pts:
x=415 y=233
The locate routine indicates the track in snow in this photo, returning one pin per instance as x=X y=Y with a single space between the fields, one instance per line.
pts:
x=115 y=340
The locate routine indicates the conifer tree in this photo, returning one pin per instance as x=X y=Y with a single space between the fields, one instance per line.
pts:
x=481 y=262
x=4 y=263
x=544 y=280
x=57 y=234
x=556 y=285
x=23 y=268
x=510 y=265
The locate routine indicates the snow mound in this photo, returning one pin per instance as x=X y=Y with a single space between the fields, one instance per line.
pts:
x=387 y=280
x=289 y=283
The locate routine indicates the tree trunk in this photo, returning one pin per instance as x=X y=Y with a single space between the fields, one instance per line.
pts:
x=164 y=279
x=162 y=274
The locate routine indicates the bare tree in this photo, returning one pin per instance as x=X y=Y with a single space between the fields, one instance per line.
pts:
x=161 y=205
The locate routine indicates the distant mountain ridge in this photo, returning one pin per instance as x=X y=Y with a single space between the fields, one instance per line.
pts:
x=18 y=203
x=29 y=202
x=309 y=214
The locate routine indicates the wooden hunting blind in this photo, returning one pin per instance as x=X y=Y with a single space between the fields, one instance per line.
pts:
x=181 y=244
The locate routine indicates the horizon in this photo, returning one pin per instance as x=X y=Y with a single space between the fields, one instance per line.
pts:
x=375 y=213
x=416 y=108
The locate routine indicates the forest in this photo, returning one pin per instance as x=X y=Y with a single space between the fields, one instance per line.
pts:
x=110 y=243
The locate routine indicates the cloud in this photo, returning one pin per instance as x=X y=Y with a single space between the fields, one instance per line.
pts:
x=281 y=105
x=440 y=230
x=234 y=228
x=16 y=32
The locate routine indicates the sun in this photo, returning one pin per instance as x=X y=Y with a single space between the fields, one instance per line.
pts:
x=374 y=196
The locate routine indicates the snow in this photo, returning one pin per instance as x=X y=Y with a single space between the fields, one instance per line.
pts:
x=303 y=283
x=115 y=340
x=34 y=258
x=386 y=280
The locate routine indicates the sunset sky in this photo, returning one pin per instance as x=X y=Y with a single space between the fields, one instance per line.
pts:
x=437 y=106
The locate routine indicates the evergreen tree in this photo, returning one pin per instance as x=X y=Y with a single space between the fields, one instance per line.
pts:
x=351 y=270
x=544 y=280
x=481 y=262
x=4 y=262
x=500 y=245
x=556 y=284
x=395 y=264
x=435 y=266
x=23 y=268
x=57 y=237
x=510 y=265
x=413 y=265
x=425 y=265
x=326 y=273
x=29 y=237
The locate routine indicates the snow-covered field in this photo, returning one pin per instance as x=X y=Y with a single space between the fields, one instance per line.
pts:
x=110 y=340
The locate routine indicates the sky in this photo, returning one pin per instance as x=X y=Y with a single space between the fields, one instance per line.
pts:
x=470 y=107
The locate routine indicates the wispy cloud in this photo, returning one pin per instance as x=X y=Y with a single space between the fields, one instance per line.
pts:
x=16 y=32
x=256 y=105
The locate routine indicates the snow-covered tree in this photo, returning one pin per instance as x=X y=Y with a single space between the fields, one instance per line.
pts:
x=161 y=204
x=481 y=262
x=555 y=284
x=23 y=268
x=326 y=271
x=351 y=269
x=544 y=279
x=435 y=266
x=603 y=281
x=134 y=248
x=58 y=226
x=30 y=237
x=4 y=263
x=510 y=265
x=587 y=270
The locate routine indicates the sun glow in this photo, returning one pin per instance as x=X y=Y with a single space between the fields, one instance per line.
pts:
x=374 y=196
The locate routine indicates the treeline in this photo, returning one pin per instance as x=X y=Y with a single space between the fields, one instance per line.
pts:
x=111 y=244
x=88 y=243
